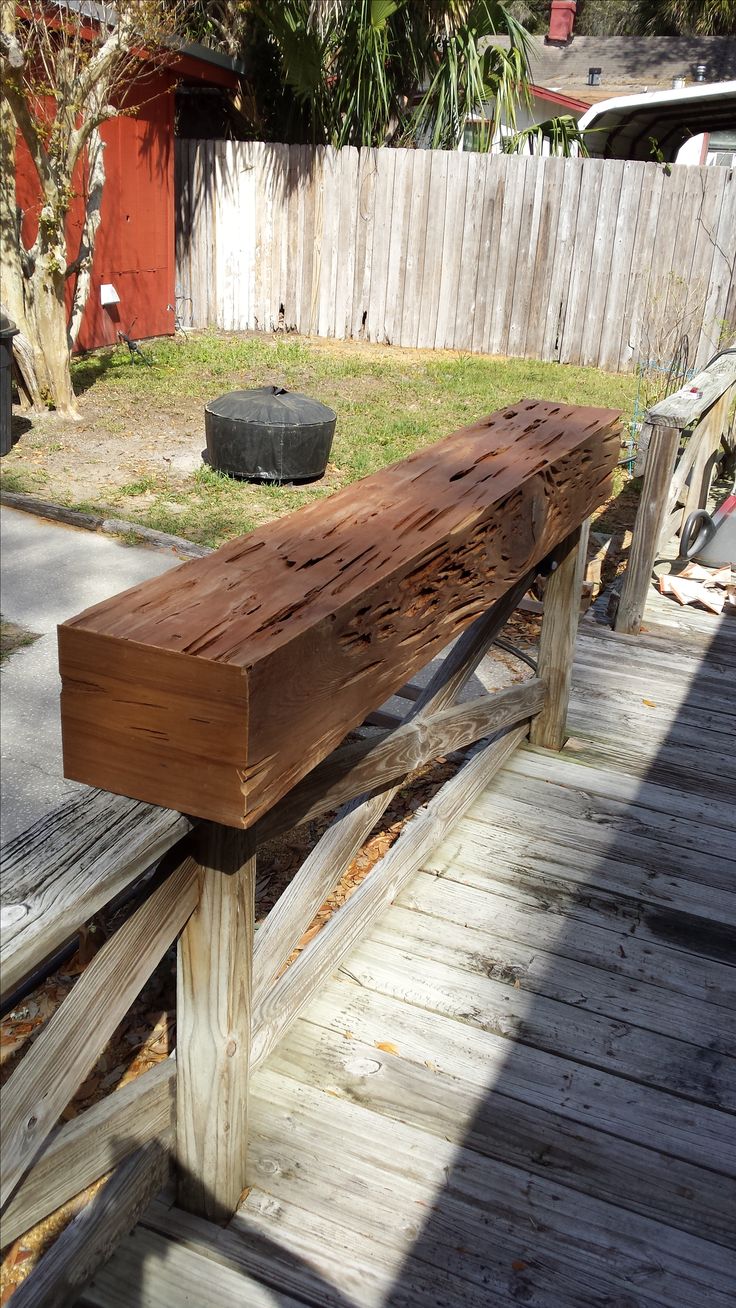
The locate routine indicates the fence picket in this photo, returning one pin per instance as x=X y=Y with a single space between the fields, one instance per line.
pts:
x=364 y=219
x=564 y=254
x=622 y=245
x=640 y=266
x=386 y=169
x=577 y=297
x=400 y=227
x=432 y=260
x=713 y=182
x=600 y=262
x=543 y=262
x=600 y=267
x=470 y=256
x=528 y=241
x=719 y=311
x=457 y=172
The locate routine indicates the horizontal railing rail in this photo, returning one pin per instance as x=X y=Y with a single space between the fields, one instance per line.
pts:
x=687 y=434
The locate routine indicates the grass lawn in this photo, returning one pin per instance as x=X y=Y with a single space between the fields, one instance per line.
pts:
x=136 y=452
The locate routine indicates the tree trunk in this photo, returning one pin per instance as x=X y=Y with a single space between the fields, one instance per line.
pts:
x=93 y=215
x=11 y=272
x=33 y=295
x=46 y=319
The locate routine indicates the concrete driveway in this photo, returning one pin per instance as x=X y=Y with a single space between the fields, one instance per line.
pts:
x=49 y=573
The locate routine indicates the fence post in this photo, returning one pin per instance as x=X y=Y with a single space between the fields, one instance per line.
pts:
x=557 y=641
x=650 y=516
x=215 y=956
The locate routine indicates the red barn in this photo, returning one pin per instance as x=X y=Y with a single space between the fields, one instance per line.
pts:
x=134 y=249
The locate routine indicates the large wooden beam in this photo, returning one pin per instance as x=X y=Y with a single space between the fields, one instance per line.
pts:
x=214 y=689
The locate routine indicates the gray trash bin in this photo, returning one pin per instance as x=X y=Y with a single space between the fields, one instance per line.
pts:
x=8 y=330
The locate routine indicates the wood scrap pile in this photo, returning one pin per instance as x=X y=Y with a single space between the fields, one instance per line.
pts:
x=713 y=589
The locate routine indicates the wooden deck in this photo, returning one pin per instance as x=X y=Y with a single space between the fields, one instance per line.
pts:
x=520 y=1087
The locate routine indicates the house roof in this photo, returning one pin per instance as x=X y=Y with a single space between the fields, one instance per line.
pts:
x=625 y=127
x=193 y=60
x=629 y=65
x=556 y=98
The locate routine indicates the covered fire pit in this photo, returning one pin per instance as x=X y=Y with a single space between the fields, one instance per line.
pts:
x=269 y=434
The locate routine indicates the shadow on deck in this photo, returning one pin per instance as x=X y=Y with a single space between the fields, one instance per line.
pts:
x=519 y=1088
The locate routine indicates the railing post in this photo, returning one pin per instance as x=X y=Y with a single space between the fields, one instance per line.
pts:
x=650 y=516
x=557 y=641
x=213 y=1026
x=708 y=434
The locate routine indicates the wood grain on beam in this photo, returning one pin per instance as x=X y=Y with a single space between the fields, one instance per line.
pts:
x=214 y=689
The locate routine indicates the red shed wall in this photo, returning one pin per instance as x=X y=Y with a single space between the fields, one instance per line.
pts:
x=134 y=249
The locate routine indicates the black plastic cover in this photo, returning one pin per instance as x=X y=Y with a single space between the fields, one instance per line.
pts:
x=269 y=434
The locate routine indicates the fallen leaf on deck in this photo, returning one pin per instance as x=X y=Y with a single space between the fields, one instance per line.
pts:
x=518 y=1265
x=386 y=1046
x=649 y=703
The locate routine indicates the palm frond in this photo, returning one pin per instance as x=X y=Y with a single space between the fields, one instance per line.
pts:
x=561 y=134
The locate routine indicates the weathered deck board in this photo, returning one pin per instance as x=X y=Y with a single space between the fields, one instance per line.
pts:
x=519 y=1087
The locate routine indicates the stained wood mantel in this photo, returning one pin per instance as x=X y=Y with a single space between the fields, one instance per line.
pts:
x=213 y=689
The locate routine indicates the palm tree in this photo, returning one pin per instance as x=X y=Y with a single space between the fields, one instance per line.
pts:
x=687 y=17
x=375 y=72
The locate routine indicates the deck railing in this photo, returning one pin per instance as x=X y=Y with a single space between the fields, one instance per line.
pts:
x=687 y=433
x=506 y=517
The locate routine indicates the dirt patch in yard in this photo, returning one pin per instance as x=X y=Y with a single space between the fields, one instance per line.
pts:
x=136 y=453
x=13 y=637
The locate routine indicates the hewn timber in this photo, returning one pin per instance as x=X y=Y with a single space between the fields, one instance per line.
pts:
x=213 y=690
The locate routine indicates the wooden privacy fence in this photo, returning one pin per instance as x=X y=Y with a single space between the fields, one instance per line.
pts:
x=584 y=261
x=686 y=435
x=350 y=596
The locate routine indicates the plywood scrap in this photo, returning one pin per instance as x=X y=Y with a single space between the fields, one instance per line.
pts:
x=711 y=588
